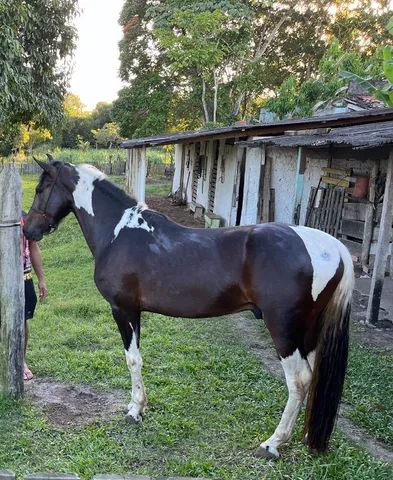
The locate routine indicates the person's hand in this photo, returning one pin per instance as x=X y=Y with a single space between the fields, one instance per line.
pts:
x=42 y=289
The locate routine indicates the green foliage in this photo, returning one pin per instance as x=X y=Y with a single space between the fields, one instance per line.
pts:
x=143 y=109
x=253 y=49
x=300 y=98
x=76 y=128
x=384 y=93
x=108 y=135
x=101 y=115
x=36 y=39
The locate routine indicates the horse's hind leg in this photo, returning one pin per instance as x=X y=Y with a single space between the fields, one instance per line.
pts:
x=298 y=377
x=129 y=327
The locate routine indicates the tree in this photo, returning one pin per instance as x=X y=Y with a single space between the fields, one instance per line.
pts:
x=221 y=70
x=205 y=46
x=31 y=136
x=108 y=135
x=384 y=92
x=36 y=40
x=73 y=106
x=299 y=98
x=76 y=125
x=144 y=108
x=101 y=115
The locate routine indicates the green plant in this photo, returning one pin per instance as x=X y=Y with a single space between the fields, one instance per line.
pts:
x=385 y=92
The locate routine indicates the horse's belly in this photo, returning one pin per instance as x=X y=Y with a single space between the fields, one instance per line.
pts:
x=186 y=299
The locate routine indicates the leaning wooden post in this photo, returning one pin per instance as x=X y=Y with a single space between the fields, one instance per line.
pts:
x=12 y=327
x=382 y=252
x=369 y=219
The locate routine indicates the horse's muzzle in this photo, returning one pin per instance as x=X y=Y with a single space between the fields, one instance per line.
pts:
x=32 y=234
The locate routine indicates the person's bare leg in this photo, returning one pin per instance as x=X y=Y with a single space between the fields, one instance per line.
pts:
x=27 y=373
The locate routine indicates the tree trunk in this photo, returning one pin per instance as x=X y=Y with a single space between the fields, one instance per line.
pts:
x=215 y=97
x=259 y=52
x=205 y=109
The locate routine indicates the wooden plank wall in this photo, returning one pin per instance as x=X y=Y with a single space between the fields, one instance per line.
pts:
x=325 y=209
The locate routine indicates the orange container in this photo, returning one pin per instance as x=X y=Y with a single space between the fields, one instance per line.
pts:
x=360 y=189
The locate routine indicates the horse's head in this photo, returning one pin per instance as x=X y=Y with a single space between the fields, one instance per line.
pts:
x=52 y=201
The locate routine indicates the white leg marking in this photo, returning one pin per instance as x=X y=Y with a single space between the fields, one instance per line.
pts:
x=137 y=406
x=298 y=377
x=83 y=193
x=324 y=251
x=132 y=218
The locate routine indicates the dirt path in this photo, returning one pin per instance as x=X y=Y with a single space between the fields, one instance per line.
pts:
x=263 y=350
x=178 y=213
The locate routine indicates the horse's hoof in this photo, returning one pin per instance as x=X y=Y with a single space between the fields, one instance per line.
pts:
x=132 y=418
x=266 y=453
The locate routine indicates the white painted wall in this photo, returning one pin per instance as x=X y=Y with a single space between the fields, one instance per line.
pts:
x=254 y=160
x=225 y=198
x=283 y=181
x=176 y=176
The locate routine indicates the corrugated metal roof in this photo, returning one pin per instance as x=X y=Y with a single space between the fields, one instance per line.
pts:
x=358 y=137
x=275 y=128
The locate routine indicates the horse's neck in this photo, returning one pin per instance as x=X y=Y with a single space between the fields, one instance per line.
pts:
x=99 y=214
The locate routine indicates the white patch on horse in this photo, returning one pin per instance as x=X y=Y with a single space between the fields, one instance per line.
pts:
x=132 y=218
x=298 y=378
x=137 y=405
x=324 y=253
x=83 y=193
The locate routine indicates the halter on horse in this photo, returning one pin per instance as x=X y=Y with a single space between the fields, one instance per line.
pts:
x=298 y=278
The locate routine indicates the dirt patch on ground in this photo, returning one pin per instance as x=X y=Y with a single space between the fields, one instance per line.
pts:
x=179 y=213
x=67 y=405
x=380 y=337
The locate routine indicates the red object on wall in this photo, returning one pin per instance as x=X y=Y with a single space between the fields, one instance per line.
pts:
x=361 y=187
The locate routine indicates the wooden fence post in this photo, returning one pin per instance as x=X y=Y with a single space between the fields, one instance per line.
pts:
x=382 y=252
x=12 y=328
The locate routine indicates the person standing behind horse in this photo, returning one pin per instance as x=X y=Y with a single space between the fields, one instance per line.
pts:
x=31 y=260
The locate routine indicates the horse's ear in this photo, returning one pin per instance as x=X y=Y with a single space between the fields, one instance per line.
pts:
x=50 y=158
x=45 y=166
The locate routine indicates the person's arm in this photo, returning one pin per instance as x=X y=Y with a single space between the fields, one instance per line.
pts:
x=36 y=261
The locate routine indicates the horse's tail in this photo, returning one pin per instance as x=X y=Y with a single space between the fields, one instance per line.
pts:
x=330 y=361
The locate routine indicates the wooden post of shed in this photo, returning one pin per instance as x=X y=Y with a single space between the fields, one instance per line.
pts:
x=382 y=252
x=266 y=188
x=12 y=327
x=299 y=185
x=136 y=173
x=369 y=219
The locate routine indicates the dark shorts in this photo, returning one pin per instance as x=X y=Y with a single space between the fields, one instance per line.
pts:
x=30 y=299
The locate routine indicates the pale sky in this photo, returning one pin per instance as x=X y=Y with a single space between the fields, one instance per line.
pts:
x=96 y=60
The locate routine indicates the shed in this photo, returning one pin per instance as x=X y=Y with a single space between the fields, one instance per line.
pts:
x=300 y=171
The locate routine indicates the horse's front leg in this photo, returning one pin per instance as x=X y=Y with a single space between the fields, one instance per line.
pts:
x=130 y=328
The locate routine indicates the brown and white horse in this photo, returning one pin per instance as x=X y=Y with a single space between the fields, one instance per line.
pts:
x=298 y=279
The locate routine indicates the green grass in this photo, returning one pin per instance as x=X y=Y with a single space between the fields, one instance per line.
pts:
x=162 y=188
x=210 y=402
x=369 y=390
